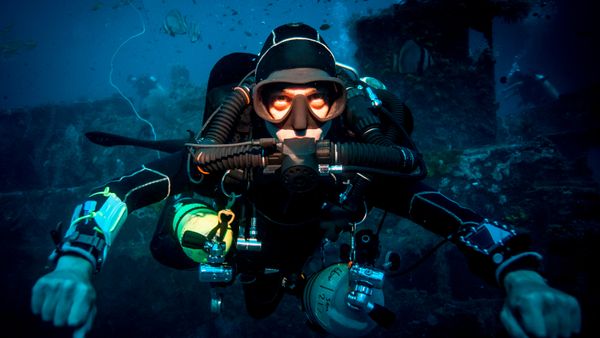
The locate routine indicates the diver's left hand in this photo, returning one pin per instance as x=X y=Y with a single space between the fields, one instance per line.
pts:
x=534 y=309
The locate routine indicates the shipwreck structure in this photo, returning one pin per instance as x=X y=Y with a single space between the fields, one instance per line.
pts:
x=453 y=99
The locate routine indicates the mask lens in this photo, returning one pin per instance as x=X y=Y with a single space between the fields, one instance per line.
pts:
x=319 y=104
x=279 y=106
x=278 y=101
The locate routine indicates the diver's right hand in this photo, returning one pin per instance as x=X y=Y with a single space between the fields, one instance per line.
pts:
x=66 y=296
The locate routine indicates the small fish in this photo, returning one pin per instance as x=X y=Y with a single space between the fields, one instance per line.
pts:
x=412 y=58
x=324 y=26
x=247 y=33
x=97 y=6
x=174 y=23
x=209 y=46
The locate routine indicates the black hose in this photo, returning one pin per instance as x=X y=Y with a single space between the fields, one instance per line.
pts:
x=378 y=156
x=375 y=136
x=223 y=121
x=361 y=120
x=393 y=134
x=417 y=175
x=402 y=121
x=398 y=112
x=233 y=157
x=377 y=159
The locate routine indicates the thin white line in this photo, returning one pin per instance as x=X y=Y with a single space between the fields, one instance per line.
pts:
x=165 y=178
x=291 y=39
x=418 y=195
x=121 y=178
x=145 y=185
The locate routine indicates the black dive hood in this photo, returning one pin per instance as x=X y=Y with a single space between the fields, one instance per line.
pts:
x=296 y=53
x=294 y=45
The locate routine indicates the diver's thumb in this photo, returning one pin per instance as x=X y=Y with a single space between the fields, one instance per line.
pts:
x=81 y=331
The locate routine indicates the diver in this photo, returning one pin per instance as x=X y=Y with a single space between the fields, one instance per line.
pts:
x=144 y=84
x=533 y=89
x=295 y=152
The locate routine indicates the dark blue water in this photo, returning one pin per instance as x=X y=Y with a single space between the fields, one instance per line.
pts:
x=78 y=52
x=74 y=41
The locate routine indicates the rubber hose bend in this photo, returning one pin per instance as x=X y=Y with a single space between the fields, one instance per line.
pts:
x=223 y=122
x=375 y=136
x=229 y=157
x=371 y=155
x=400 y=114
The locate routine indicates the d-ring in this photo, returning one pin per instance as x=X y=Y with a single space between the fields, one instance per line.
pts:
x=232 y=195
x=365 y=215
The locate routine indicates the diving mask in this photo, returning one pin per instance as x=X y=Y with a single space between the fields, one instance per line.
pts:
x=283 y=98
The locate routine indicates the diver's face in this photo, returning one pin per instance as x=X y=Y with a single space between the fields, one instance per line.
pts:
x=301 y=107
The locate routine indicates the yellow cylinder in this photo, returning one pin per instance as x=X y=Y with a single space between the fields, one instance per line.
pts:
x=201 y=219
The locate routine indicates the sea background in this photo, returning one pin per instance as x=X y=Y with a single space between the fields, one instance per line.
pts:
x=67 y=66
x=75 y=42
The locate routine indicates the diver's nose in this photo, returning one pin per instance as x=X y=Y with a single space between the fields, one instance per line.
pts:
x=299 y=112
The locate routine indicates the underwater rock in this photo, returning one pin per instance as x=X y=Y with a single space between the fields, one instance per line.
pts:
x=453 y=98
x=45 y=148
x=535 y=187
x=573 y=118
x=530 y=185
x=180 y=76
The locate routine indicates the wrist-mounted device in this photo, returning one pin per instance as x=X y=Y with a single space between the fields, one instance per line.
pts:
x=492 y=249
x=498 y=244
x=94 y=226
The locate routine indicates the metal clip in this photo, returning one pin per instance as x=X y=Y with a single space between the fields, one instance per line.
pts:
x=343 y=196
x=232 y=195
x=251 y=243
x=375 y=101
x=226 y=212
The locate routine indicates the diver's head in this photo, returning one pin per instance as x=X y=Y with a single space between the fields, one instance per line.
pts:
x=297 y=92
